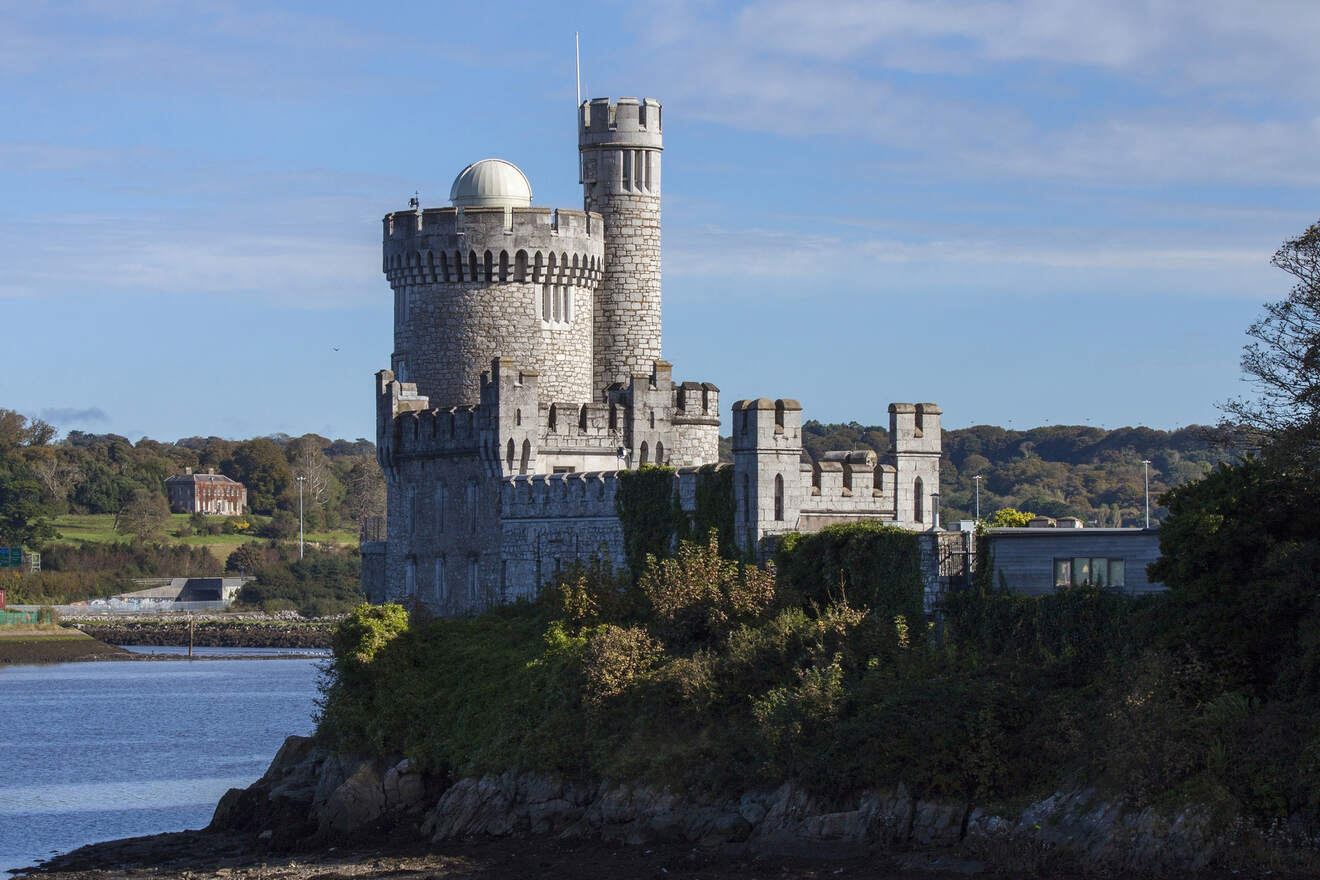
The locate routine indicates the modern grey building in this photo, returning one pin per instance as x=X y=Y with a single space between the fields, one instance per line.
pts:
x=1047 y=555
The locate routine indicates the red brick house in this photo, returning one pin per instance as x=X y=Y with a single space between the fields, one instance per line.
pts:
x=209 y=493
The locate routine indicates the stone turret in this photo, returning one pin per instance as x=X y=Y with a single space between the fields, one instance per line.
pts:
x=619 y=146
x=914 y=448
x=492 y=277
x=767 y=455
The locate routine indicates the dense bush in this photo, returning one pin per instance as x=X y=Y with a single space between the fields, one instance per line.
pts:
x=324 y=582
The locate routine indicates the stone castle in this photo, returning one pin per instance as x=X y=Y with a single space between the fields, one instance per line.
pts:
x=527 y=372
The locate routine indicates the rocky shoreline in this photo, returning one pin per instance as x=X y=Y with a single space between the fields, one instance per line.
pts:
x=314 y=808
x=213 y=633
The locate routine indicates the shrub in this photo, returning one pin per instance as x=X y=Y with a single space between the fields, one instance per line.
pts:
x=697 y=596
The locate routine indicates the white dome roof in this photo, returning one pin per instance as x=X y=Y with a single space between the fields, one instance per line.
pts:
x=491 y=183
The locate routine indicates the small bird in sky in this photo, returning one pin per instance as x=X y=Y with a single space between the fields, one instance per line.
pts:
x=335 y=347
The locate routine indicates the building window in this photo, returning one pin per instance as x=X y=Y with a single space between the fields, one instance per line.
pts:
x=918 y=501
x=440 y=587
x=441 y=499
x=779 y=497
x=473 y=577
x=1095 y=570
x=473 y=496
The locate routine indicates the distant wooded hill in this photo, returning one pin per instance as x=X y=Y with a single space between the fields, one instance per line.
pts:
x=1057 y=470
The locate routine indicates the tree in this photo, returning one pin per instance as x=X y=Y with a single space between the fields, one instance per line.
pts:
x=1239 y=556
x=1009 y=518
x=1282 y=362
x=23 y=518
x=144 y=514
x=307 y=459
x=261 y=467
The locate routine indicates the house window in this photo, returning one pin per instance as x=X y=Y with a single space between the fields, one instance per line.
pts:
x=1095 y=570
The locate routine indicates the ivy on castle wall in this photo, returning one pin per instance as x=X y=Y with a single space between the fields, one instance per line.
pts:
x=649 y=514
x=714 y=510
x=872 y=566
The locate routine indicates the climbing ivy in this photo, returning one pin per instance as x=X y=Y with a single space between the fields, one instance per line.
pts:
x=872 y=566
x=714 y=510
x=649 y=513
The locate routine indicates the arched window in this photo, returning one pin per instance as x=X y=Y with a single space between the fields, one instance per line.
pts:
x=536 y=268
x=779 y=497
x=918 y=501
x=526 y=458
x=643 y=459
x=430 y=264
x=520 y=266
x=441 y=499
x=488 y=263
x=659 y=453
x=553 y=419
x=472 y=265
x=582 y=418
x=509 y=455
x=504 y=265
x=458 y=267
x=559 y=303
x=444 y=267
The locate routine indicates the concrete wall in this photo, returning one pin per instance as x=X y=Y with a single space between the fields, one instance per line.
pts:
x=1025 y=557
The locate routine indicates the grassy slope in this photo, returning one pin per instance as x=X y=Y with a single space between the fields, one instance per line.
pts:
x=82 y=529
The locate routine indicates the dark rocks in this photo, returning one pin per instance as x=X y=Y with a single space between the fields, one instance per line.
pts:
x=310 y=797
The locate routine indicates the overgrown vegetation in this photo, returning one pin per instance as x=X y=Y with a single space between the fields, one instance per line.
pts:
x=324 y=582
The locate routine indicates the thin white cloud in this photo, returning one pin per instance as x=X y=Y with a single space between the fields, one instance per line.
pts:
x=1039 y=263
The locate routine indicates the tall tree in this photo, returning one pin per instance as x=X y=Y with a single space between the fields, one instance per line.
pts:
x=1282 y=362
x=23 y=517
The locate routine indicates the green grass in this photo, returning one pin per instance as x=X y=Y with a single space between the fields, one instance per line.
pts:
x=100 y=528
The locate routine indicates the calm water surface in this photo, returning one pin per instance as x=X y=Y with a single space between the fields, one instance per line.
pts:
x=96 y=751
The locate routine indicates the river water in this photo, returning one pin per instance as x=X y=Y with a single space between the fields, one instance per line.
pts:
x=97 y=751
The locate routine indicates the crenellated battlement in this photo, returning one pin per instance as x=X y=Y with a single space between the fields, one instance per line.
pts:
x=489 y=245
x=628 y=122
x=568 y=496
x=696 y=403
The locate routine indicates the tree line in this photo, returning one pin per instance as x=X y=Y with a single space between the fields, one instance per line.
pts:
x=43 y=476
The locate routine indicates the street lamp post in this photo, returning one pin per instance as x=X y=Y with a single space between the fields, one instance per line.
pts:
x=301 y=480
x=977 y=478
x=1145 y=462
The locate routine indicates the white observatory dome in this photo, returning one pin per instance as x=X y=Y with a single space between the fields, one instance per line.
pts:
x=491 y=183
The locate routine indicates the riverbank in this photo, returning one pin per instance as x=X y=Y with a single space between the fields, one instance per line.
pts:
x=214 y=632
x=199 y=855
x=22 y=645
x=315 y=814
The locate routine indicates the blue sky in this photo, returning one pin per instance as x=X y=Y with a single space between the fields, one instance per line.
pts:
x=1028 y=211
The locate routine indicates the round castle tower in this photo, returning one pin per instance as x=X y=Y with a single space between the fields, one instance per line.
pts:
x=620 y=147
x=490 y=277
